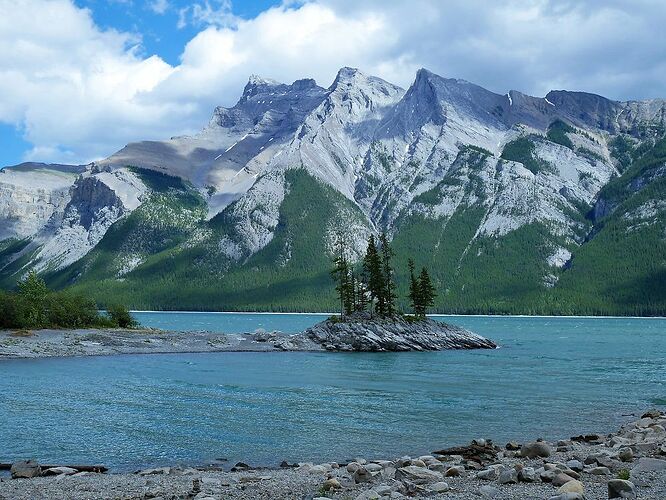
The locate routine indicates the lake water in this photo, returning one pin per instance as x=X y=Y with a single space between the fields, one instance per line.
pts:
x=552 y=377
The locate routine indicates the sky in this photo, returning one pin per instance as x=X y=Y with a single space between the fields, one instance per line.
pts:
x=79 y=79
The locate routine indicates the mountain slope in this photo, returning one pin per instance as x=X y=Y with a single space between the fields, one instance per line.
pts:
x=516 y=203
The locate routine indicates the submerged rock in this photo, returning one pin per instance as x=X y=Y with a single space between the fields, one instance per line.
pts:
x=359 y=332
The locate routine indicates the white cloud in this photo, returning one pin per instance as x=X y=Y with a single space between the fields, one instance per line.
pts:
x=159 y=6
x=205 y=13
x=80 y=92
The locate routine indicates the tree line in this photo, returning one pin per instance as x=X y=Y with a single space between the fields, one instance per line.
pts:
x=371 y=286
x=33 y=305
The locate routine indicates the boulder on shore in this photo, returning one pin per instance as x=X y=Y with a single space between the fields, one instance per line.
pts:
x=25 y=469
x=360 y=332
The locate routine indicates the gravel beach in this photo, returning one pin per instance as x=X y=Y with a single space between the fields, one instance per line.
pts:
x=630 y=463
x=100 y=342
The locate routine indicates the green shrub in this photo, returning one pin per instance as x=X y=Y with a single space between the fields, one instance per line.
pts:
x=623 y=474
x=34 y=306
x=121 y=317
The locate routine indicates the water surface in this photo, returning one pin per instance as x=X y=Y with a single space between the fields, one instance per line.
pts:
x=551 y=378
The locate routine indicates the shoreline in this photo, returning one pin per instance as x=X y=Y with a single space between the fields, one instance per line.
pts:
x=585 y=466
x=434 y=315
x=67 y=343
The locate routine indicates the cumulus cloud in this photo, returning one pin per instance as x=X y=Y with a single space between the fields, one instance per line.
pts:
x=79 y=92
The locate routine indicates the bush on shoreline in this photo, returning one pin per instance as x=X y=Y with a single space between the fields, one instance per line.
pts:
x=34 y=306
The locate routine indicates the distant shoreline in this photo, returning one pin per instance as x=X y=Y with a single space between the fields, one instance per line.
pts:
x=429 y=315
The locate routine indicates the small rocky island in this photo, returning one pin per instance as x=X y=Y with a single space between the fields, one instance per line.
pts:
x=360 y=332
x=353 y=334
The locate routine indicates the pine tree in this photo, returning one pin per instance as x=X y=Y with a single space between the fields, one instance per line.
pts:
x=387 y=271
x=427 y=292
x=361 y=295
x=372 y=268
x=413 y=296
x=340 y=274
x=350 y=291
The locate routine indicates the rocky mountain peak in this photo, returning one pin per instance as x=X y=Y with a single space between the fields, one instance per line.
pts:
x=358 y=90
x=585 y=109
x=257 y=84
x=260 y=80
x=346 y=75
x=304 y=84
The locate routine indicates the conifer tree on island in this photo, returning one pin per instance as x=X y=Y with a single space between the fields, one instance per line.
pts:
x=372 y=267
x=387 y=270
x=374 y=287
x=341 y=276
x=426 y=292
x=413 y=289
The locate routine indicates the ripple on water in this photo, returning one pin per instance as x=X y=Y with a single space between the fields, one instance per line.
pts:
x=553 y=377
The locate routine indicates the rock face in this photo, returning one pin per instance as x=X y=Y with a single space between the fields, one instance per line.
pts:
x=360 y=333
x=439 y=159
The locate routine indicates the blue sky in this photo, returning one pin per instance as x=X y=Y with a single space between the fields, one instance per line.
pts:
x=79 y=79
x=159 y=31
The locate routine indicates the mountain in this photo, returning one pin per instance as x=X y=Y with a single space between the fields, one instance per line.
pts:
x=517 y=204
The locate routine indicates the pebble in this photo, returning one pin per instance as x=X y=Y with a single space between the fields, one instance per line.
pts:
x=455 y=471
x=368 y=495
x=361 y=475
x=418 y=475
x=508 y=476
x=489 y=492
x=568 y=496
x=536 y=449
x=439 y=487
x=488 y=474
x=573 y=486
x=575 y=465
x=619 y=488
x=331 y=484
x=625 y=454
x=527 y=475
x=561 y=478
x=352 y=467
x=373 y=467
x=56 y=471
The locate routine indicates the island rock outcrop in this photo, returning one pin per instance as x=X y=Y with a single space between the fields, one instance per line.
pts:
x=362 y=333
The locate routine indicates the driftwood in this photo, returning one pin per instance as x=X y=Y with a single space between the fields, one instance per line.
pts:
x=588 y=438
x=80 y=468
x=475 y=452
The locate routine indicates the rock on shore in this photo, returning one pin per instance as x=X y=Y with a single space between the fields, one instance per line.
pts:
x=361 y=333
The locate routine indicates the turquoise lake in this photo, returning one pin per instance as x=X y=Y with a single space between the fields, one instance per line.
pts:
x=551 y=378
